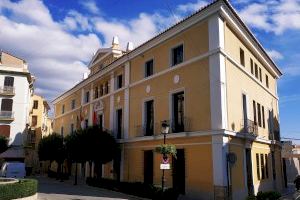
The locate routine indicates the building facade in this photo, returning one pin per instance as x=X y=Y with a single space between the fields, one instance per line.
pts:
x=215 y=85
x=15 y=92
x=290 y=161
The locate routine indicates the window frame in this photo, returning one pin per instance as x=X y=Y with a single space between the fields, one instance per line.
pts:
x=242 y=57
x=35 y=104
x=73 y=104
x=171 y=54
x=145 y=68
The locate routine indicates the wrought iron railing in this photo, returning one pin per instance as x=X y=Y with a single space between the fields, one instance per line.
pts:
x=143 y=130
x=6 y=114
x=7 y=90
x=180 y=125
x=249 y=126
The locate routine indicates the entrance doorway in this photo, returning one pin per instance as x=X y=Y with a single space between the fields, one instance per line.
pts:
x=249 y=172
x=179 y=172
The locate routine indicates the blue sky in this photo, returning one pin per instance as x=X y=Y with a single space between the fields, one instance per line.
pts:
x=58 y=38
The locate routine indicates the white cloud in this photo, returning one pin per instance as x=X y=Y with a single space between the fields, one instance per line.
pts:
x=56 y=57
x=275 y=54
x=90 y=5
x=273 y=16
x=77 y=21
x=191 y=7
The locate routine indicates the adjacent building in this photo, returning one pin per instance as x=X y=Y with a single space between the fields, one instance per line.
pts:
x=16 y=86
x=291 y=161
x=212 y=81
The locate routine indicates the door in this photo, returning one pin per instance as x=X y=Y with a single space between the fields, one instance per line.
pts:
x=179 y=172
x=100 y=122
x=148 y=167
x=119 y=124
x=178 y=112
x=249 y=172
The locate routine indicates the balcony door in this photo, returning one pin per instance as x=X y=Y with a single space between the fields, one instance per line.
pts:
x=245 y=114
x=9 y=81
x=178 y=112
x=119 y=123
x=149 y=118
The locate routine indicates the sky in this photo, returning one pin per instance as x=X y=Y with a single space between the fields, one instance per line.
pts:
x=58 y=38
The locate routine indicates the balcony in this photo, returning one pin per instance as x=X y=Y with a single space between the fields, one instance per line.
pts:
x=7 y=90
x=143 y=130
x=249 y=126
x=183 y=125
x=7 y=115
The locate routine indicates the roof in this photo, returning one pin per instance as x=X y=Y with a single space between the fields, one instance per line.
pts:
x=1 y=51
x=175 y=25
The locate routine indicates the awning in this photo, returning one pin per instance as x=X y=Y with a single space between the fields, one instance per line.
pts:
x=13 y=152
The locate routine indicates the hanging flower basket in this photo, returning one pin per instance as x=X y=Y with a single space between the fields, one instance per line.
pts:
x=167 y=149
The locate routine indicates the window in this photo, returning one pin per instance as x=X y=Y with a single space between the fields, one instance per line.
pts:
x=251 y=65
x=257 y=167
x=35 y=104
x=100 y=121
x=177 y=55
x=178 y=112
x=260 y=76
x=87 y=97
x=259 y=114
x=34 y=120
x=263 y=116
x=72 y=128
x=273 y=165
x=96 y=93
x=242 y=57
x=9 y=81
x=256 y=71
x=101 y=90
x=262 y=166
x=266 y=166
x=149 y=68
x=73 y=104
x=63 y=109
x=245 y=114
x=6 y=105
x=119 y=123
x=267 y=81
x=106 y=87
x=149 y=118
x=119 y=81
x=254 y=112
x=148 y=167
x=62 y=131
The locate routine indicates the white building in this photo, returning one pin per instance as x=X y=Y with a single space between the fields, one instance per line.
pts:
x=15 y=90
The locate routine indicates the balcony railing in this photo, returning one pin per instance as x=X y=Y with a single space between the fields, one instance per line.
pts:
x=183 y=125
x=6 y=115
x=7 y=90
x=249 y=126
x=147 y=130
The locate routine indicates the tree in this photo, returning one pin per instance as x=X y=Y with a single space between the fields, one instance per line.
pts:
x=3 y=143
x=52 y=148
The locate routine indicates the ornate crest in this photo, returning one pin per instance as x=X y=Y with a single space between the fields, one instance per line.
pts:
x=98 y=105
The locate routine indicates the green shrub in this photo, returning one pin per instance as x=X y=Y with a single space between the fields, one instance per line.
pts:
x=23 y=188
x=134 y=188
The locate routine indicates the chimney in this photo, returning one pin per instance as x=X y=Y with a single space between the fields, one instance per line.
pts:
x=129 y=47
x=115 y=42
x=85 y=75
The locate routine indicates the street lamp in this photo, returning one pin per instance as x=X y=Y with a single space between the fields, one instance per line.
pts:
x=164 y=130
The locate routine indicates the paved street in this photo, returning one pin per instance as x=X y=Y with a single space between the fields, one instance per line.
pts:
x=51 y=189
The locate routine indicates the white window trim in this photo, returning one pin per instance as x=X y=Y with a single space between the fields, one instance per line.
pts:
x=171 y=55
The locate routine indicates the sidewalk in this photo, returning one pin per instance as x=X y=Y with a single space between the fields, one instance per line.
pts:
x=290 y=193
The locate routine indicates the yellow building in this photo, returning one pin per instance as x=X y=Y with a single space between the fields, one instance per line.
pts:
x=211 y=79
x=40 y=125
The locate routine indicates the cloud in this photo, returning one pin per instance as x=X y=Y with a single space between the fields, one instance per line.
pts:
x=291 y=71
x=191 y=7
x=90 y=5
x=275 y=54
x=273 y=16
x=55 y=56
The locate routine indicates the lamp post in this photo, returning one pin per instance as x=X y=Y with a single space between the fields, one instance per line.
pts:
x=164 y=130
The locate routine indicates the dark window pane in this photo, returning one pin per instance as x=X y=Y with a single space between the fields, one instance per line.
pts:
x=6 y=104
x=242 y=57
x=149 y=68
x=8 y=81
x=177 y=55
x=35 y=104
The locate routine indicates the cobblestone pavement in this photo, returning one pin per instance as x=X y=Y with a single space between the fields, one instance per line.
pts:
x=51 y=189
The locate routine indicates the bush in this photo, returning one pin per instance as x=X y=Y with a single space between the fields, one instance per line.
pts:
x=269 y=195
x=23 y=188
x=135 y=188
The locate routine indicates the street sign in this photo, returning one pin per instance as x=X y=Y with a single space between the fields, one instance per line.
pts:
x=164 y=166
